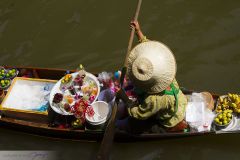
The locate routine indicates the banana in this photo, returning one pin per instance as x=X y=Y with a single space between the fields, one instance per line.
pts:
x=237 y=101
x=233 y=105
x=230 y=95
x=221 y=100
x=231 y=102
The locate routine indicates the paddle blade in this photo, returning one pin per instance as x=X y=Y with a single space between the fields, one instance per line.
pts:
x=108 y=136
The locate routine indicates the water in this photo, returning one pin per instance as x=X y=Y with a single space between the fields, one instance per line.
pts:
x=204 y=36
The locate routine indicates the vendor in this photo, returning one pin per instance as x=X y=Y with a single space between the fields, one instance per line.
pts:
x=152 y=69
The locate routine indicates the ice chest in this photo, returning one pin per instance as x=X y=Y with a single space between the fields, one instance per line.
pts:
x=27 y=99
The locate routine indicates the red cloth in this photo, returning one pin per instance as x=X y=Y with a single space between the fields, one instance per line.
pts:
x=179 y=127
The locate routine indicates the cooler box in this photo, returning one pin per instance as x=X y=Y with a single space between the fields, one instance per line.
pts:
x=28 y=99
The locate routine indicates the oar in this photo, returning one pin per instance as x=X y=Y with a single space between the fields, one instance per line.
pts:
x=104 y=151
x=132 y=32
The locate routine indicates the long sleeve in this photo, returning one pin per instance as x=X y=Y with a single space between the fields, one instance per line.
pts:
x=151 y=105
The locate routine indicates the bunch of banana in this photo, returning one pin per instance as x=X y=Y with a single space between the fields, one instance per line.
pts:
x=230 y=102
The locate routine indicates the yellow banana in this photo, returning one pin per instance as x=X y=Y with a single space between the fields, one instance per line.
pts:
x=221 y=100
x=234 y=105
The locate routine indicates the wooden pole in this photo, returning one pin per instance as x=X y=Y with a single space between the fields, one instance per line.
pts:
x=132 y=32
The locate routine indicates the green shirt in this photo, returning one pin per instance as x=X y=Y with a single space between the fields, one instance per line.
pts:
x=163 y=106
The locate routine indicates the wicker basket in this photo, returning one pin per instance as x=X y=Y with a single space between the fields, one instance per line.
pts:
x=209 y=100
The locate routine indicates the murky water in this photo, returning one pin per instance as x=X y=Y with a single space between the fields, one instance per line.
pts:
x=204 y=36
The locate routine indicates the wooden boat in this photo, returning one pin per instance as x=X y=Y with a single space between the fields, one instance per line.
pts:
x=43 y=129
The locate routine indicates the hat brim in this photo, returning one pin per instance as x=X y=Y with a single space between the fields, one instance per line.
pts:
x=154 y=85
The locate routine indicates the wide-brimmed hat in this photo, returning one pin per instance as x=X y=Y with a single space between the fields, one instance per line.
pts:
x=151 y=66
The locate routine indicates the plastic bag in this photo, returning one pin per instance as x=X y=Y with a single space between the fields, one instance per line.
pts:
x=106 y=95
x=105 y=79
x=198 y=115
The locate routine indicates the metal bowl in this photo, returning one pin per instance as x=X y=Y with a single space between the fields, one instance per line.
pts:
x=223 y=125
x=5 y=87
x=12 y=76
x=3 y=76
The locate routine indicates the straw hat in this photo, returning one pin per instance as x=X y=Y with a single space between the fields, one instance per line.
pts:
x=151 y=66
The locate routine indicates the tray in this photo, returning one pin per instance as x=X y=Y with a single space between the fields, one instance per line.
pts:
x=56 y=89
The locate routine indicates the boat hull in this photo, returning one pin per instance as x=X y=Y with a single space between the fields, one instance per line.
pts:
x=43 y=129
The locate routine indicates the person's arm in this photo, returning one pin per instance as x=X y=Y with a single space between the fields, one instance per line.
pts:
x=140 y=35
x=151 y=105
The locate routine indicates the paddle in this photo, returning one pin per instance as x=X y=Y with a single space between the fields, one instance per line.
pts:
x=103 y=153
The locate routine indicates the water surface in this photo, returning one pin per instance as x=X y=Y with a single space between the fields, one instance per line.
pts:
x=203 y=35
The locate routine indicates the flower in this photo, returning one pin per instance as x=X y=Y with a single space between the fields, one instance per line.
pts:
x=80 y=108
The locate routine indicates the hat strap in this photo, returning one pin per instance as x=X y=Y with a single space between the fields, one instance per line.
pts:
x=174 y=92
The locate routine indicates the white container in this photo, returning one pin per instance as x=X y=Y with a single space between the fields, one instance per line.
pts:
x=102 y=111
x=25 y=97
